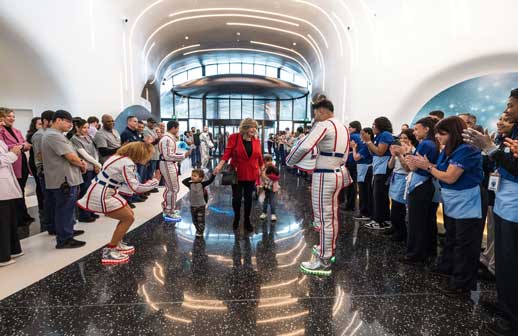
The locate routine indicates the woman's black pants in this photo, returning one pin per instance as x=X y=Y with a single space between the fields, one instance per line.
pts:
x=365 y=189
x=380 y=190
x=243 y=189
x=9 y=242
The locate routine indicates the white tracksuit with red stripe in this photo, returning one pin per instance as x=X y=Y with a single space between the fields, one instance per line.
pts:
x=169 y=170
x=331 y=138
x=118 y=172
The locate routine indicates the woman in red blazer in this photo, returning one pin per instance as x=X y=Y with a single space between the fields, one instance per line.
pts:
x=246 y=156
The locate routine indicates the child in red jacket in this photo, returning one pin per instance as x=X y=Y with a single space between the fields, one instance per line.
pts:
x=270 y=186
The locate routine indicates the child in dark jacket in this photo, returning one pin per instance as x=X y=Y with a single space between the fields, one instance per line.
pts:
x=199 y=198
x=270 y=186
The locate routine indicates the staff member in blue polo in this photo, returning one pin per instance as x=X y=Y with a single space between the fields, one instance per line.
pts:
x=380 y=150
x=459 y=171
x=350 y=192
x=363 y=158
x=506 y=220
x=422 y=219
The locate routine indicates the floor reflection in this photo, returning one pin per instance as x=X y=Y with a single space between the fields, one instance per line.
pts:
x=226 y=284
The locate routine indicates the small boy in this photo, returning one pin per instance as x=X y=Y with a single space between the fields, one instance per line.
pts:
x=270 y=185
x=199 y=198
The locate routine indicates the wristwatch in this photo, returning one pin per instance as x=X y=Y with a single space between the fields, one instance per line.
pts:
x=429 y=168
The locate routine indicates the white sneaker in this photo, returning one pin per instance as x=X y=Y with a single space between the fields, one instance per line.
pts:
x=373 y=225
x=7 y=263
x=125 y=249
x=17 y=255
x=113 y=257
x=263 y=216
x=178 y=213
x=316 y=266
x=274 y=218
x=172 y=217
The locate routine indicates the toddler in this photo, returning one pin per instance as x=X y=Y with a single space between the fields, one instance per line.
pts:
x=199 y=198
x=270 y=186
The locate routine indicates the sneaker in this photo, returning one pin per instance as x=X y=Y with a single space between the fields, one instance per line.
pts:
x=263 y=216
x=373 y=225
x=314 y=251
x=316 y=266
x=70 y=243
x=17 y=255
x=178 y=213
x=7 y=263
x=172 y=218
x=274 y=218
x=123 y=248
x=113 y=257
x=78 y=232
x=361 y=218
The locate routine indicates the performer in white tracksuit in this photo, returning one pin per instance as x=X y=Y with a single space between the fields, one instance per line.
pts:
x=206 y=145
x=118 y=172
x=331 y=137
x=169 y=158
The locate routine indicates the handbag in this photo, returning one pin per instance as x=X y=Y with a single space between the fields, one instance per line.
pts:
x=229 y=177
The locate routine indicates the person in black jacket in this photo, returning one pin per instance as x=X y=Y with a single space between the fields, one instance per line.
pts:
x=198 y=197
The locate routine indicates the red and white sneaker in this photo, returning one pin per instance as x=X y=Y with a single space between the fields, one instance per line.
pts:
x=113 y=257
x=125 y=248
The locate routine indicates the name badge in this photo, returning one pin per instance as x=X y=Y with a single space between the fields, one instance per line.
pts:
x=494 y=181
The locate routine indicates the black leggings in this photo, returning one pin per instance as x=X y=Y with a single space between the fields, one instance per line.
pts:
x=366 y=194
x=422 y=223
x=380 y=191
x=398 y=219
x=240 y=190
x=9 y=242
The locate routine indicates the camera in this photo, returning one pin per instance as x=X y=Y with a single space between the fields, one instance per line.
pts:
x=125 y=20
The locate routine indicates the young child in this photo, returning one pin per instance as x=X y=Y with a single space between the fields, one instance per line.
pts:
x=199 y=198
x=270 y=186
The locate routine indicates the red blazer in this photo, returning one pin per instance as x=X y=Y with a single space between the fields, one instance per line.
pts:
x=247 y=167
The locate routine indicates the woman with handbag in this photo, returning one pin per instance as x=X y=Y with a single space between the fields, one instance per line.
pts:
x=246 y=159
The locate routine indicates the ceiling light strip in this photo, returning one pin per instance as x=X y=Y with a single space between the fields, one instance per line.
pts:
x=245 y=49
x=132 y=31
x=169 y=55
x=255 y=11
x=146 y=65
x=315 y=49
x=324 y=66
x=210 y=16
x=341 y=43
x=287 y=49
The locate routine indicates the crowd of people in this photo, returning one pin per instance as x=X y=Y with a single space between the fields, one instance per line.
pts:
x=83 y=168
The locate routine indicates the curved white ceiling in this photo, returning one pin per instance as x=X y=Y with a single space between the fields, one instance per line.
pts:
x=301 y=31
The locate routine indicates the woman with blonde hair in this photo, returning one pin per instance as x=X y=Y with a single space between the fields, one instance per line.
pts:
x=246 y=157
x=103 y=197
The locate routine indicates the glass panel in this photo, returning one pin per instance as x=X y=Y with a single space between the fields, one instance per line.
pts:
x=166 y=105
x=286 y=110
x=300 y=80
x=260 y=70
x=271 y=110
x=198 y=123
x=286 y=76
x=283 y=125
x=183 y=127
x=235 y=68
x=194 y=73
x=211 y=109
x=259 y=109
x=166 y=86
x=223 y=68
x=211 y=70
x=180 y=78
x=271 y=72
x=300 y=109
x=195 y=108
x=181 y=107
x=235 y=109
x=248 y=69
x=247 y=109
x=223 y=106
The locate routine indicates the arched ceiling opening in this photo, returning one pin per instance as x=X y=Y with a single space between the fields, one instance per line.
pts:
x=305 y=33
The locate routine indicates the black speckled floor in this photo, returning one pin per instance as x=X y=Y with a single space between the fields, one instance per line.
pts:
x=222 y=285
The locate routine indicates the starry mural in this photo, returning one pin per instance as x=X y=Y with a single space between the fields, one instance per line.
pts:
x=484 y=97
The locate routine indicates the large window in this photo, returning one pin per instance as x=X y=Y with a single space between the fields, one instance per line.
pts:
x=286 y=109
x=235 y=108
x=195 y=108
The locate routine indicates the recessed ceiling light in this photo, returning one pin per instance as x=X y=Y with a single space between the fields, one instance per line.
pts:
x=187 y=37
x=294 y=43
x=238 y=34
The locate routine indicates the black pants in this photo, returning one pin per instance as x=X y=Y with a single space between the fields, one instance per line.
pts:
x=9 y=242
x=506 y=252
x=398 y=219
x=422 y=223
x=351 y=191
x=240 y=190
x=381 y=205
x=198 y=218
x=20 y=202
x=365 y=189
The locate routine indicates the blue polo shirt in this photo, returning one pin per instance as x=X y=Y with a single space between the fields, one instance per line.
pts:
x=468 y=158
x=129 y=136
x=384 y=138
x=429 y=148
x=363 y=151
x=502 y=171
x=356 y=138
